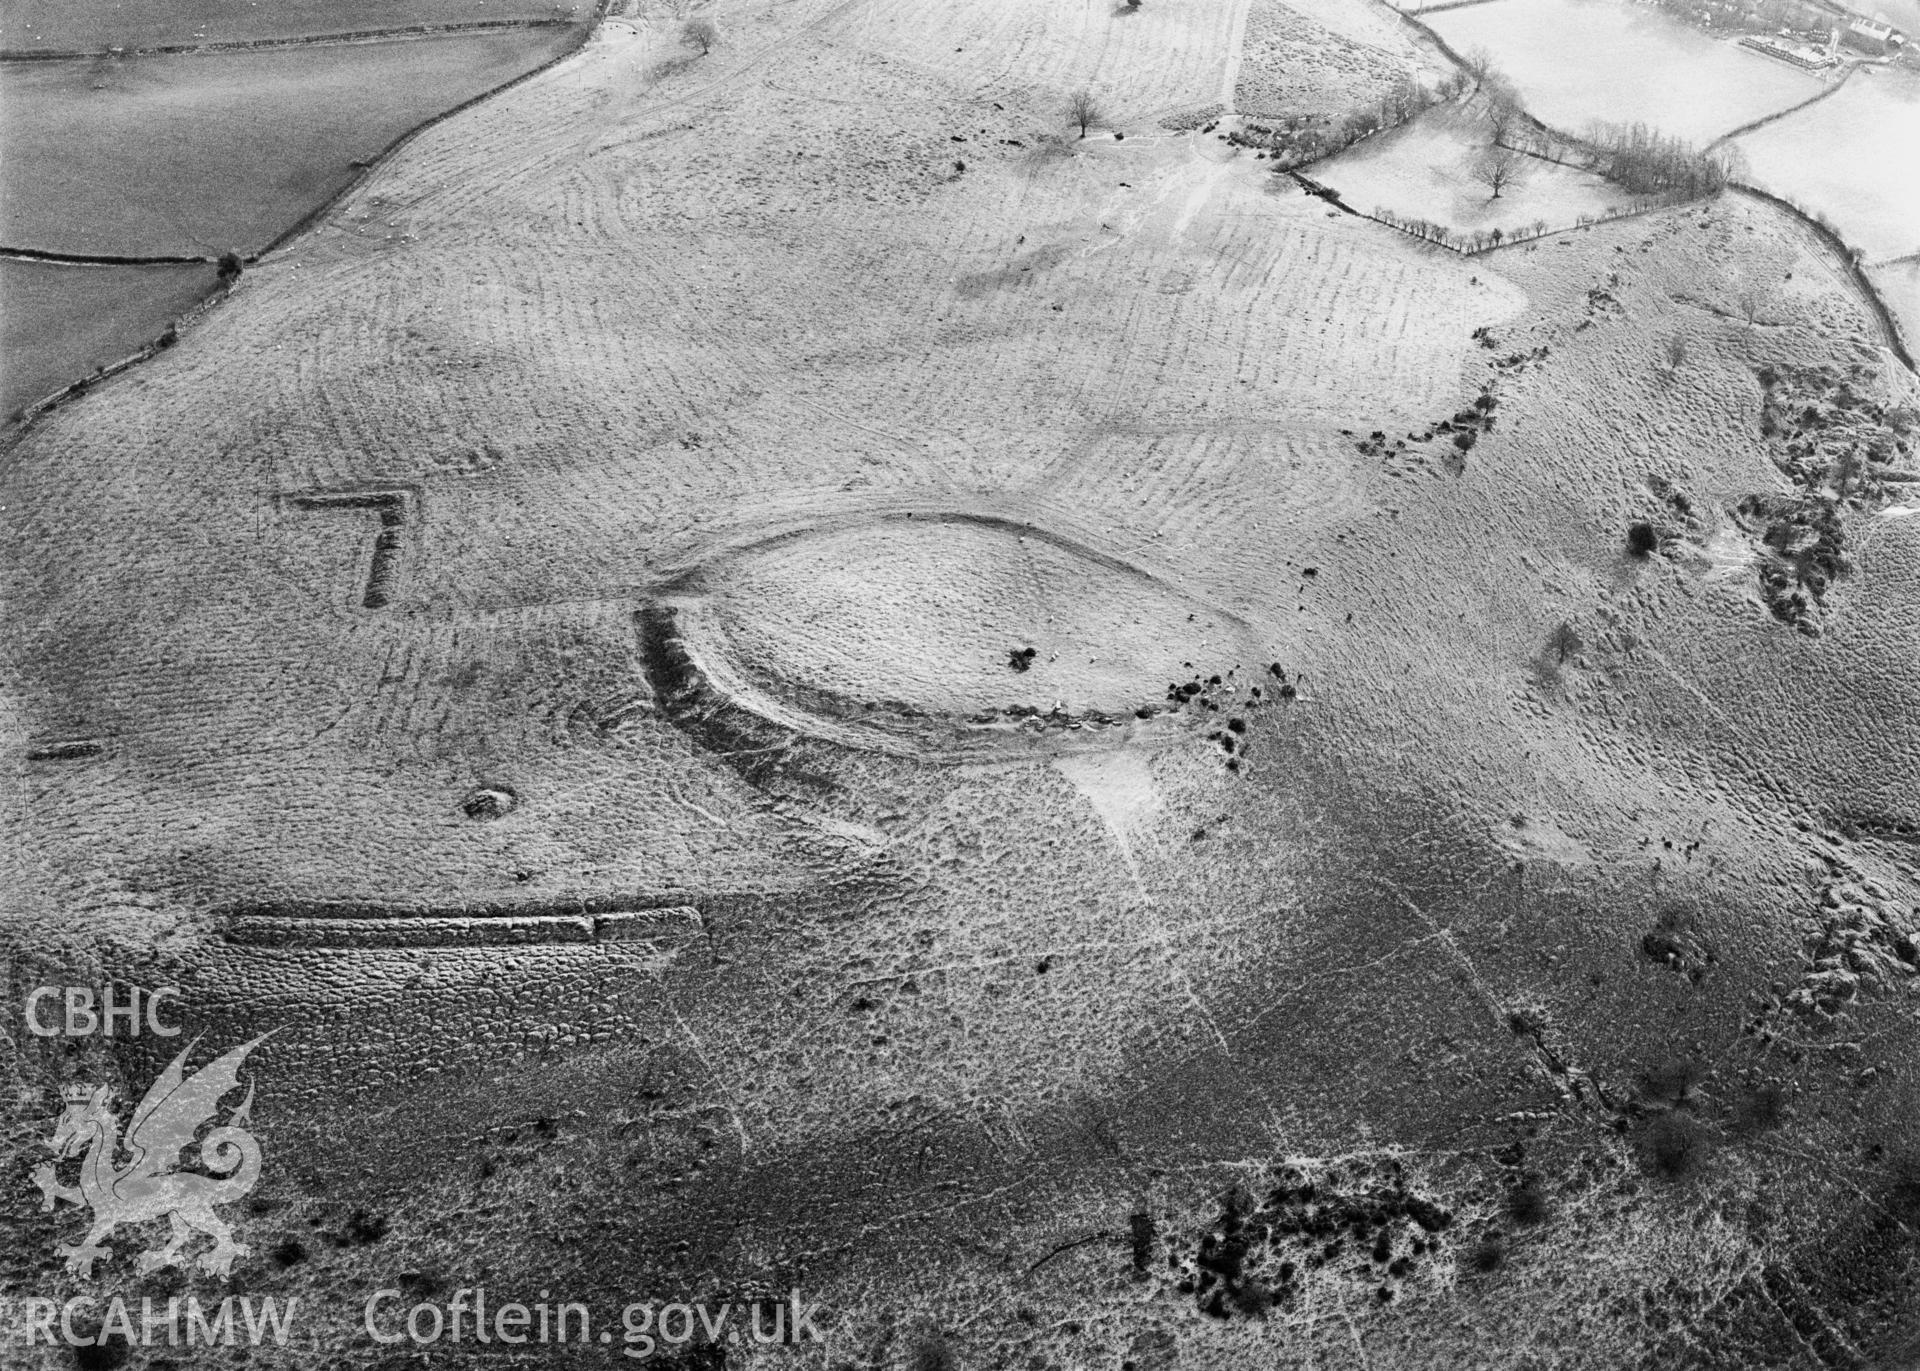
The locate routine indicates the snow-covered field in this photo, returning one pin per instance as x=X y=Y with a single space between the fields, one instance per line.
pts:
x=1853 y=158
x=1577 y=61
x=1423 y=170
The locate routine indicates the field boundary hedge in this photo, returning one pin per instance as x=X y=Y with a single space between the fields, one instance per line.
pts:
x=170 y=335
x=1476 y=243
x=88 y=259
x=374 y=162
x=1766 y=119
x=1446 y=48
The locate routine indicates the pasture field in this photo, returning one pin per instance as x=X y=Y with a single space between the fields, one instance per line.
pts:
x=58 y=26
x=1851 y=159
x=1422 y=170
x=59 y=323
x=1576 y=61
x=840 y=344
x=195 y=155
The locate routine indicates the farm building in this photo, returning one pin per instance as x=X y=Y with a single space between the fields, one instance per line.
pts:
x=1802 y=55
x=1872 y=37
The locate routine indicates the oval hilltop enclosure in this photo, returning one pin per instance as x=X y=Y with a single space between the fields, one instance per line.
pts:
x=953 y=615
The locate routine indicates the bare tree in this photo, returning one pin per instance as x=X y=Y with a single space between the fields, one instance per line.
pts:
x=1479 y=63
x=1565 y=641
x=1751 y=300
x=1496 y=168
x=1084 y=110
x=699 y=33
x=1505 y=121
x=1674 y=352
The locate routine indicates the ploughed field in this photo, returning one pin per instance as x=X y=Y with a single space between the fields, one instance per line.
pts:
x=603 y=506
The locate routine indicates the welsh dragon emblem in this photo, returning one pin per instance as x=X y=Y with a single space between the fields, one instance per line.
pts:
x=150 y=1185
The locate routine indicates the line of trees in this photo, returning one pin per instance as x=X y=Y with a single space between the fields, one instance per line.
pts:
x=1296 y=142
x=1424 y=229
x=1637 y=157
x=1645 y=161
x=1481 y=240
x=1469 y=241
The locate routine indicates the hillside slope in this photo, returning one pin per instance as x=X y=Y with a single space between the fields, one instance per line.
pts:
x=473 y=559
